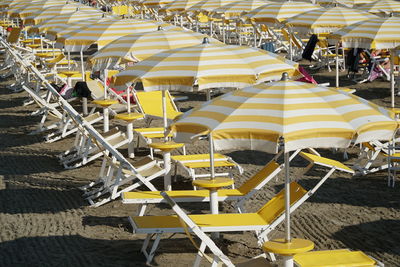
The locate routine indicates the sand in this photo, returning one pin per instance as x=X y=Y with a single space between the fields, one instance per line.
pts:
x=44 y=221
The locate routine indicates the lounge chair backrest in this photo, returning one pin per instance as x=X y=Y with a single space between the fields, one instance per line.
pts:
x=260 y=176
x=13 y=37
x=96 y=89
x=276 y=206
x=151 y=104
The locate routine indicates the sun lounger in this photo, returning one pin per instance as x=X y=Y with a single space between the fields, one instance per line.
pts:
x=335 y=258
x=240 y=195
x=189 y=225
x=262 y=222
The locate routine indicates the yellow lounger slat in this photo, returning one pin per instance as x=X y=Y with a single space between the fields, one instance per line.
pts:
x=205 y=157
x=326 y=161
x=334 y=258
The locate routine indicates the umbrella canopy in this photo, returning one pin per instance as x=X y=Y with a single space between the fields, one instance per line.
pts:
x=239 y=7
x=209 y=5
x=156 y=3
x=179 y=5
x=385 y=6
x=8 y=3
x=139 y=46
x=207 y=66
x=278 y=12
x=105 y=32
x=22 y=9
x=377 y=33
x=328 y=20
x=52 y=11
x=61 y=30
x=303 y=115
x=64 y=20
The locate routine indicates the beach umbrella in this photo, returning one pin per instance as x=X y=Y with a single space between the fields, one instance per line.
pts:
x=381 y=6
x=156 y=3
x=378 y=33
x=278 y=12
x=104 y=32
x=53 y=11
x=8 y=3
x=179 y=5
x=139 y=46
x=64 y=20
x=23 y=9
x=287 y=116
x=240 y=7
x=205 y=66
x=326 y=21
x=209 y=5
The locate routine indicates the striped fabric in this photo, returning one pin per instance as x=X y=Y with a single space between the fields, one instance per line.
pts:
x=209 y=5
x=105 y=32
x=48 y=12
x=23 y=10
x=156 y=3
x=179 y=5
x=237 y=8
x=278 y=12
x=302 y=115
x=139 y=46
x=328 y=20
x=207 y=66
x=65 y=19
x=379 y=33
x=385 y=6
x=61 y=30
x=9 y=3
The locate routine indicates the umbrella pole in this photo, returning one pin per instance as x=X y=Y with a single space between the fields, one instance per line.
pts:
x=84 y=99
x=213 y=191
x=392 y=54
x=105 y=83
x=337 y=64
x=164 y=110
x=287 y=198
x=290 y=45
x=69 y=60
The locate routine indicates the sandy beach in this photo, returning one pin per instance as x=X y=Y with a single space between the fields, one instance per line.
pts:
x=44 y=220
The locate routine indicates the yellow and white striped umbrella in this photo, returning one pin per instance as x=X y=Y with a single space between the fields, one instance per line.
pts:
x=23 y=9
x=207 y=66
x=239 y=7
x=179 y=5
x=209 y=5
x=139 y=46
x=301 y=115
x=328 y=20
x=156 y=3
x=278 y=12
x=49 y=12
x=9 y=3
x=105 y=32
x=61 y=30
x=381 y=6
x=378 y=33
x=64 y=20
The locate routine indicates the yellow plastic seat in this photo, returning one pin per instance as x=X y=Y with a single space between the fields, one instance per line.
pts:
x=326 y=162
x=334 y=258
x=198 y=195
x=265 y=216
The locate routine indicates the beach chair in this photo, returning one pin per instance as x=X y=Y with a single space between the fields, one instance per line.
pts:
x=262 y=222
x=150 y=105
x=115 y=179
x=240 y=195
x=368 y=161
x=335 y=258
x=191 y=163
x=327 y=55
x=190 y=226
